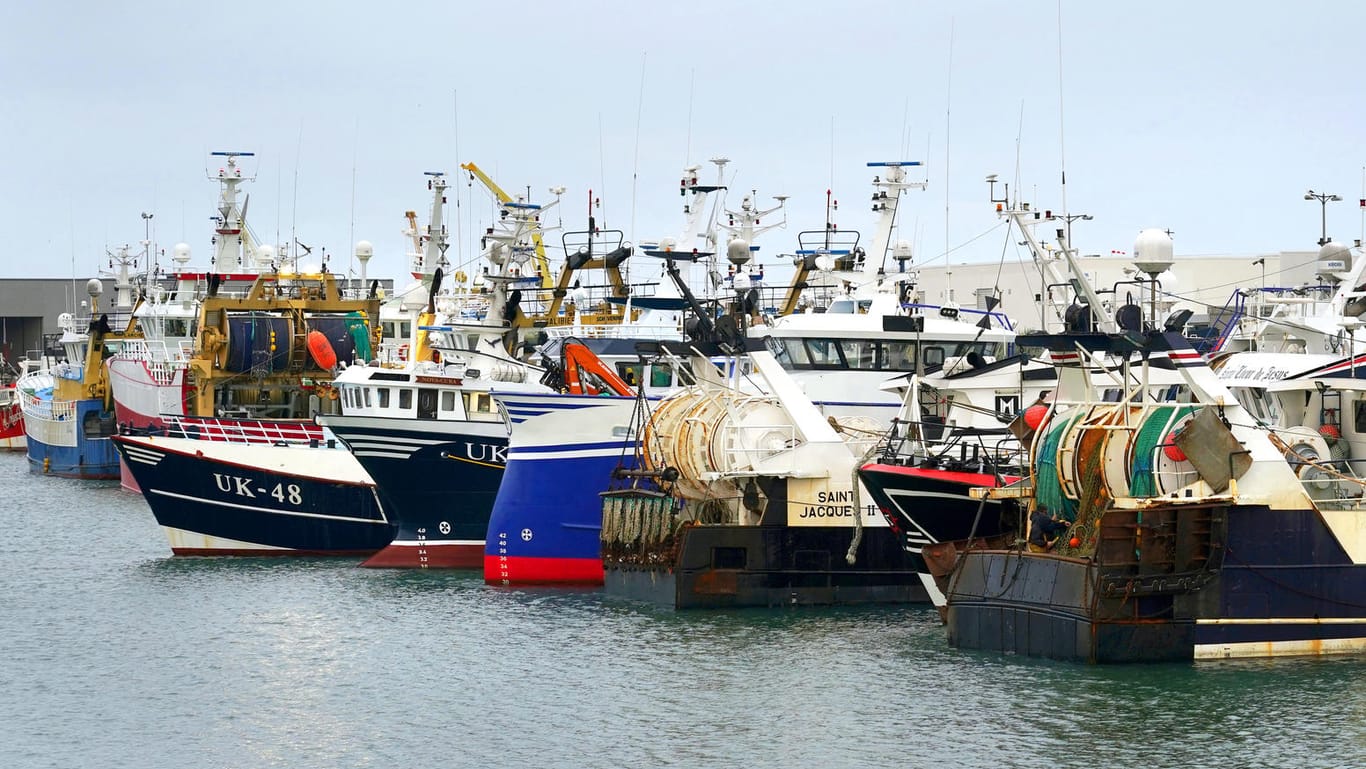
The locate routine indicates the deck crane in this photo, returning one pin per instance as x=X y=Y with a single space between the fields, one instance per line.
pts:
x=542 y=264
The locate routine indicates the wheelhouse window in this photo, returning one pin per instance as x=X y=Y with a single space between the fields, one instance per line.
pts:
x=872 y=354
x=661 y=375
x=384 y=397
x=367 y=397
x=630 y=373
x=405 y=398
x=448 y=400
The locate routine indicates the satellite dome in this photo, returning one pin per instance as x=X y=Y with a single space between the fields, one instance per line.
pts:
x=1334 y=258
x=94 y=287
x=364 y=250
x=1153 y=251
x=737 y=251
x=181 y=253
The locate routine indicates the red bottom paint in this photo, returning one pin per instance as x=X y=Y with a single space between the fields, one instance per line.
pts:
x=525 y=570
x=415 y=555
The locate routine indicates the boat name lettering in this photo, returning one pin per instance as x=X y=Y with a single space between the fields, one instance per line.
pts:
x=1254 y=372
x=831 y=497
x=487 y=453
x=236 y=484
x=828 y=511
x=446 y=380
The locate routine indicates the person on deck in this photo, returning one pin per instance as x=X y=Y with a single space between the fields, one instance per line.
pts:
x=1044 y=529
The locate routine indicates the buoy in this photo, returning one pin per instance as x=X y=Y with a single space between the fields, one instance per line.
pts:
x=1033 y=416
x=321 y=350
x=1174 y=452
x=1074 y=542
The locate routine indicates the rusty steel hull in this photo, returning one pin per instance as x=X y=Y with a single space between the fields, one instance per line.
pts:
x=715 y=566
x=1244 y=581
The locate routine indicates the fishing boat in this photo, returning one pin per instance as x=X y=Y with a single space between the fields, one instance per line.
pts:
x=258 y=370
x=11 y=413
x=850 y=319
x=68 y=417
x=1196 y=531
x=741 y=493
x=248 y=473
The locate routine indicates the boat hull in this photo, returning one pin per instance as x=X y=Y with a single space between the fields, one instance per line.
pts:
x=12 y=436
x=751 y=566
x=144 y=391
x=437 y=481
x=215 y=498
x=1293 y=594
x=546 y=524
x=77 y=447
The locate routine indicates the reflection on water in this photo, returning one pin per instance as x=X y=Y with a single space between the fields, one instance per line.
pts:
x=118 y=655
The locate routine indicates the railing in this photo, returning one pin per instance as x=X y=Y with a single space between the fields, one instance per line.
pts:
x=614 y=331
x=251 y=431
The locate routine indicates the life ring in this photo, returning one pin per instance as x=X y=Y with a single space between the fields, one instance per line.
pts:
x=403 y=352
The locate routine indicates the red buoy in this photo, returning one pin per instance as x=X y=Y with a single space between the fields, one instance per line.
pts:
x=1033 y=416
x=1074 y=542
x=321 y=350
x=1174 y=452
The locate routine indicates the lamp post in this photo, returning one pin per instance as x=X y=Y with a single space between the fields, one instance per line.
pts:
x=1322 y=198
x=1069 y=218
x=148 y=251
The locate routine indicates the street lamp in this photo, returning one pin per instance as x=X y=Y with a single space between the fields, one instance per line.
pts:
x=150 y=254
x=1072 y=218
x=1322 y=198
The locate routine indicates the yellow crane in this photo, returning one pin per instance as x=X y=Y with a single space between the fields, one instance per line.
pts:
x=542 y=264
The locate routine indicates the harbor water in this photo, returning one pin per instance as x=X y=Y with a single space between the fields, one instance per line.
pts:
x=117 y=655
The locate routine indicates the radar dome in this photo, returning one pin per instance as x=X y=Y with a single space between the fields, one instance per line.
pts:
x=364 y=250
x=181 y=253
x=902 y=250
x=265 y=255
x=1153 y=251
x=94 y=287
x=737 y=251
x=1334 y=258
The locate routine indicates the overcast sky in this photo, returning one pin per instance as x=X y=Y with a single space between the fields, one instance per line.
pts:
x=1211 y=119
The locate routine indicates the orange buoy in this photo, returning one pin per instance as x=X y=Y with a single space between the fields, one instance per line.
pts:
x=1174 y=452
x=1033 y=416
x=1074 y=542
x=321 y=350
